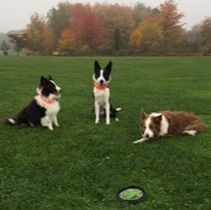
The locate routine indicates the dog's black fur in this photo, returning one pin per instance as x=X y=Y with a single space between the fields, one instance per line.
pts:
x=113 y=112
x=32 y=114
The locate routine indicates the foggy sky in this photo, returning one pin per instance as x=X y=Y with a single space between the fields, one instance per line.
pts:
x=15 y=14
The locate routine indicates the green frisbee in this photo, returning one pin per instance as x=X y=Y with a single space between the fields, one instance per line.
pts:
x=131 y=195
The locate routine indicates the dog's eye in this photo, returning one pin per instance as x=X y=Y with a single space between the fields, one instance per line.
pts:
x=143 y=127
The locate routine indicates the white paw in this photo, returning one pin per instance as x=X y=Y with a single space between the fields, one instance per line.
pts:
x=50 y=128
x=191 y=132
x=140 y=140
x=57 y=124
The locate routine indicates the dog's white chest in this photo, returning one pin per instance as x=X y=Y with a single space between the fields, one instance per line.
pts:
x=102 y=96
x=52 y=109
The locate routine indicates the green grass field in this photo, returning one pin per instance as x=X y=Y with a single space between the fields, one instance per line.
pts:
x=82 y=165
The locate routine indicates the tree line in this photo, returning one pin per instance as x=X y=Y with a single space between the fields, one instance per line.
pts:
x=113 y=29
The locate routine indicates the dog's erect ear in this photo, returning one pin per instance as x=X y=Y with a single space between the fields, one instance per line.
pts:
x=109 y=67
x=144 y=115
x=107 y=71
x=157 y=119
x=50 y=77
x=97 y=69
x=97 y=66
x=43 y=81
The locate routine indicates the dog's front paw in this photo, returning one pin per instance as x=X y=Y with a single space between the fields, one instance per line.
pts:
x=140 y=140
x=108 y=123
x=57 y=124
x=50 y=127
x=96 y=121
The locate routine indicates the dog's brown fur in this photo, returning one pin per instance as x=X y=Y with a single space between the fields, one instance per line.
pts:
x=183 y=121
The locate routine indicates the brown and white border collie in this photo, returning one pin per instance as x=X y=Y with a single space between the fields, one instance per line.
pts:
x=168 y=123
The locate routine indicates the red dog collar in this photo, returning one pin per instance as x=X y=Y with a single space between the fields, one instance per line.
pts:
x=47 y=101
x=100 y=87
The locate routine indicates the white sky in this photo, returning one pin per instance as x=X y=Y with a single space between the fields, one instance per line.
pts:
x=15 y=14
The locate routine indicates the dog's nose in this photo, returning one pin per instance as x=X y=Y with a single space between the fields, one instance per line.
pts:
x=60 y=90
x=147 y=135
x=101 y=81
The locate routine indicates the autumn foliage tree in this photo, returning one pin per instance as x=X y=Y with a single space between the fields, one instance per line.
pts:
x=86 y=26
x=58 y=20
x=39 y=35
x=162 y=29
x=118 y=22
x=84 y=29
x=140 y=12
x=67 y=42
x=148 y=36
x=170 y=22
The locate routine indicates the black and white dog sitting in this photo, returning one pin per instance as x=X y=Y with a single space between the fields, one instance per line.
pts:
x=101 y=91
x=43 y=109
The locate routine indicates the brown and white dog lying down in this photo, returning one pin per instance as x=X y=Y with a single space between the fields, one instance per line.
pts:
x=168 y=123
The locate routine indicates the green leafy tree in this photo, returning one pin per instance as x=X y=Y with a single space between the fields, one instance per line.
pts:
x=58 y=20
x=194 y=39
x=140 y=12
x=118 y=22
x=4 y=47
x=39 y=35
x=19 y=39
x=206 y=36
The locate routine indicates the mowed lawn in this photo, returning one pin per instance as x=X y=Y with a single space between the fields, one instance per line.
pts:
x=82 y=165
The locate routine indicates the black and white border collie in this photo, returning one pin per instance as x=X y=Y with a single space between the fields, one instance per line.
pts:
x=168 y=123
x=43 y=109
x=101 y=91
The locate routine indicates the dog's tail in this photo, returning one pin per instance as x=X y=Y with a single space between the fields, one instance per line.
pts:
x=118 y=109
x=11 y=121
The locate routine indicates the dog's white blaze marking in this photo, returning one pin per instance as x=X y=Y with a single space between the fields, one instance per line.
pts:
x=101 y=77
x=56 y=86
x=148 y=132
x=164 y=126
x=11 y=120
